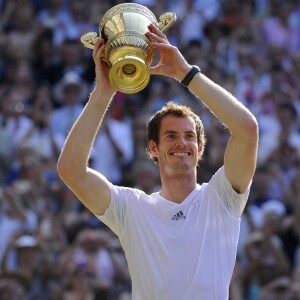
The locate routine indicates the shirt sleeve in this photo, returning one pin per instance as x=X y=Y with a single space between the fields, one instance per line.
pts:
x=233 y=201
x=115 y=215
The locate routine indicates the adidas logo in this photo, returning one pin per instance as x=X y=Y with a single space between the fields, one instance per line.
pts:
x=179 y=216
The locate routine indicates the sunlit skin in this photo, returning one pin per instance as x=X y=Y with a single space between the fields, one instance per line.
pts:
x=178 y=151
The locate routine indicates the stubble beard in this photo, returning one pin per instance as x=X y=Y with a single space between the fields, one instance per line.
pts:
x=178 y=170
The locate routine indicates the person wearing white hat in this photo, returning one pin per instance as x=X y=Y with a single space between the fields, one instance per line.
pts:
x=71 y=92
x=26 y=241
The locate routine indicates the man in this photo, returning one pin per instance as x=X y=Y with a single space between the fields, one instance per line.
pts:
x=180 y=243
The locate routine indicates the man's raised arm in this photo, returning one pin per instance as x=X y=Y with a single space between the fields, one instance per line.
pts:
x=91 y=187
x=241 y=150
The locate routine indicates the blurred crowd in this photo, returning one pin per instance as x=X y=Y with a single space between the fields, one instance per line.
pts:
x=53 y=248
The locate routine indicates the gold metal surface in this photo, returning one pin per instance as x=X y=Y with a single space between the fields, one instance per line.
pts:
x=127 y=50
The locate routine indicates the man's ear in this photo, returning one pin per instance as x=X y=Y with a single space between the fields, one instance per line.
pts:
x=200 y=150
x=152 y=148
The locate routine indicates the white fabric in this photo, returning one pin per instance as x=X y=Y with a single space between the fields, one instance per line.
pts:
x=41 y=141
x=270 y=140
x=64 y=117
x=173 y=258
x=8 y=228
x=18 y=127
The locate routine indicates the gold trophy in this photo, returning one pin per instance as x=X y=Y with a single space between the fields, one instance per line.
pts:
x=127 y=50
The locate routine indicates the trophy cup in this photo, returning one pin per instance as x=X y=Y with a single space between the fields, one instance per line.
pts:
x=127 y=50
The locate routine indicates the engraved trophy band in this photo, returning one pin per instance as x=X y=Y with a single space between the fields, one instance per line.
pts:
x=127 y=50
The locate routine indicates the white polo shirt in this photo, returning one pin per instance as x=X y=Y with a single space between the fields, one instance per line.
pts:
x=183 y=251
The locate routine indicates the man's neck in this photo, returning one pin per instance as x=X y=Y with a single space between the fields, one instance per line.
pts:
x=176 y=189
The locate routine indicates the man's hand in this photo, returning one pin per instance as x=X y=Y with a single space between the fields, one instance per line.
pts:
x=171 y=62
x=101 y=68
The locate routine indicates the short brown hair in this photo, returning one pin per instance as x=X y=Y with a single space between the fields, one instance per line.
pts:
x=177 y=110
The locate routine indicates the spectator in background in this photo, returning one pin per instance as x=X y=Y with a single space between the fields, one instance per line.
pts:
x=295 y=77
x=15 y=119
x=192 y=18
x=77 y=24
x=6 y=145
x=13 y=218
x=285 y=132
x=277 y=31
x=55 y=17
x=277 y=289
x=22 y=80
x=13 y=286
x=71 y=92
x=19 y=30
x=262 y=189
x=124 y=295
x=118 y=152
x=90 y=253
x=162 y=91
x=290 y=225
x=69 y=57
x=139 y=132
x=79 y=285
x=266 y=261
x=32 y=185
x=286 y=159
x=295 y=286
x=24 y=254
x=44 y=59
x=41 y=136
x=216 y=145
x=145 y=176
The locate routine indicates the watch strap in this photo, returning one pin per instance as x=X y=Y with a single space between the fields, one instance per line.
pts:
x=190 y=75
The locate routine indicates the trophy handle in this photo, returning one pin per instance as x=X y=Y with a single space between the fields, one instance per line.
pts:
x=166 y=21
x=89 y=39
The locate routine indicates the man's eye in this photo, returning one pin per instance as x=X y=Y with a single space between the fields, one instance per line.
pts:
x=190 y=136
x=171 y=136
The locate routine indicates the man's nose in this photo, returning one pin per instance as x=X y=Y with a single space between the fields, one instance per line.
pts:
x=181 y=141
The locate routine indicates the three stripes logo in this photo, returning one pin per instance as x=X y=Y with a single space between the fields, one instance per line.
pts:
x=179 y=216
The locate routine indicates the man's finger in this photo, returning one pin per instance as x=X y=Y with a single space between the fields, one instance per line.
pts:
x=156 y=70
x=152 y=28
x=155 y=37
x=97 y=46
x=98 y=49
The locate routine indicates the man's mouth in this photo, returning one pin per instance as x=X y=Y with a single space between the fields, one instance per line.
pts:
x=180 y=154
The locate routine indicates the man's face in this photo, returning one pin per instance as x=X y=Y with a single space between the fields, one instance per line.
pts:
x=178 y=151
